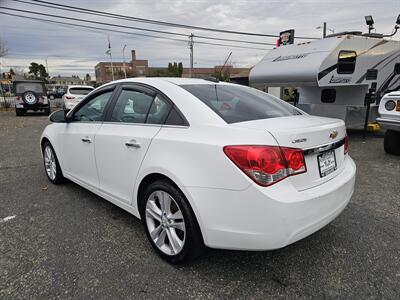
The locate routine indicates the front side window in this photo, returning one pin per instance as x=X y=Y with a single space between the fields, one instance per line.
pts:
x=238 y=104
x=346 y=62
x=92 y=110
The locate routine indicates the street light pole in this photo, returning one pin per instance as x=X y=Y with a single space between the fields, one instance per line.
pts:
x=191 y=54
x=123 y=59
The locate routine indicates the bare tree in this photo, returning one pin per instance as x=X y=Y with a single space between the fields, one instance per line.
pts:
x=3 y=48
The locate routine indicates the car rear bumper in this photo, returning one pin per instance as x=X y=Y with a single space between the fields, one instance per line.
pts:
x=265 y=218
x=389 y=123
x=31 y=106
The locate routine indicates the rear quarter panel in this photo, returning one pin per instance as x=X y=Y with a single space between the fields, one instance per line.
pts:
x=194 y=157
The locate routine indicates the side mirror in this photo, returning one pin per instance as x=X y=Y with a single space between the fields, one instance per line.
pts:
x=396 y=70
x=59 y=116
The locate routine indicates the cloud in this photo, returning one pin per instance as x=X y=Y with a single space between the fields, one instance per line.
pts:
x=71 y=50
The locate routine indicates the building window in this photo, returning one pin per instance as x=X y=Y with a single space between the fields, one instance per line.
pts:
x=346 y=62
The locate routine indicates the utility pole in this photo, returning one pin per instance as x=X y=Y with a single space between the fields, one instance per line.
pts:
x=109 y=53
x=191 y=54
x=123 y=59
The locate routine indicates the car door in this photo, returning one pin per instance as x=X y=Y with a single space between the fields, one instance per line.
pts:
x=122 y=142
x=78 y=137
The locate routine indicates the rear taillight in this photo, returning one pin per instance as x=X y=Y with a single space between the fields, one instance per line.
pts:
x=18 y=98
x=267 y=165
x=69 y=97
x=346 y=144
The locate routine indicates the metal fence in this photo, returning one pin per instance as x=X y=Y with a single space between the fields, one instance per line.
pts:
x=7 y=101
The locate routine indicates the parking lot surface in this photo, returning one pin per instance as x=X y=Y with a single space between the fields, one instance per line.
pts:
x=65 y=242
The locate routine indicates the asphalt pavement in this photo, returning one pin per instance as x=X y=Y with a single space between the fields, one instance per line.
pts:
x=65 y=242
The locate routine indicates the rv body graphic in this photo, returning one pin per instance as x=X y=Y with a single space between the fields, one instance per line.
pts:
x=330 y=73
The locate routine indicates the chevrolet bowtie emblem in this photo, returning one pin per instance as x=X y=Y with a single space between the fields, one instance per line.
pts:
x=333 y=134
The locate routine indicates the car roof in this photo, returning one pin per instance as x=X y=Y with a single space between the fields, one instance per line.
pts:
x=173 y=80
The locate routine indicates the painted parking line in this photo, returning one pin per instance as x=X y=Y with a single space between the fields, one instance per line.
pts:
x=7 y=219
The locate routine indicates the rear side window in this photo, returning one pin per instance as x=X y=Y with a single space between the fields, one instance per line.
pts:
x=346 y=62
x=23 y=87
x=238 y=104
x=132 y=107
x=175 y=118
x=80 y=91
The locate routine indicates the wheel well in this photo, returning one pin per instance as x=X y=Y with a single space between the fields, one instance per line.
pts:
x=44 y=140
x=146 y=181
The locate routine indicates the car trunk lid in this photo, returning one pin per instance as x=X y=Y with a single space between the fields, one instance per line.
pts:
x=321 y=140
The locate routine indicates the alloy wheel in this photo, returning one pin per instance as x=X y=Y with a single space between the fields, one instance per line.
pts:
x=50 y=162
x=165 y=223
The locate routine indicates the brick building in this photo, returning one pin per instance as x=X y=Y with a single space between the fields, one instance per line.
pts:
x=140 y=68
x=134 y=68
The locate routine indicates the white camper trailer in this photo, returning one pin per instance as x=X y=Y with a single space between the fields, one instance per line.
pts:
x=330 y=73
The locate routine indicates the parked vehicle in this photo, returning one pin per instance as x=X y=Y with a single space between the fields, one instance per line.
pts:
x=56 y=93
x=389 y=111
x=330 y=73
x=30 y=95
x=74 y=94
x=204 y=163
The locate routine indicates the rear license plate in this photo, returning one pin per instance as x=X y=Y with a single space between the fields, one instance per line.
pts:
x=398 y=105
x=327 y=163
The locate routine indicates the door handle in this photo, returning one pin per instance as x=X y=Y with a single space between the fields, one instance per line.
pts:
x=132 y=144
x=86 y=140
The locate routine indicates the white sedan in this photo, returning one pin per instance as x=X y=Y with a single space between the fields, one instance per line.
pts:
x=75 y=94
x=204 y=163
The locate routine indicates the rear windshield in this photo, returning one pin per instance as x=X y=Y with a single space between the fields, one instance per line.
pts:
x=80 y=91
x=238 y=104
x=22 y=87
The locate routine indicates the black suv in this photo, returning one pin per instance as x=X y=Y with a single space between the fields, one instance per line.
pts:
x=30 y=95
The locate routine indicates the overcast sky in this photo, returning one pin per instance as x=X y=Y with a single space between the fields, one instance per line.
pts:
x=71 y=50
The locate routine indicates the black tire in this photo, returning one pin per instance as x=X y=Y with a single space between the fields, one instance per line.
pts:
x=58 y=178
x=193 y=244
x=392 y=142
x=47 y=111
x=20 y=112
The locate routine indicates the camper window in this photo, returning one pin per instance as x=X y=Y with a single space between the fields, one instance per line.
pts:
x=346 y=62
x=328 y=95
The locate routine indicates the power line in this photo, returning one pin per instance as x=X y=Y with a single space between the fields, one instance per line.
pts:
x=157 y=22
x=104 y=15
x=128 y=33
x=93 y=22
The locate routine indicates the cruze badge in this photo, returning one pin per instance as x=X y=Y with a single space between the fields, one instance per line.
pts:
x=299 y=141
x=333 y=134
